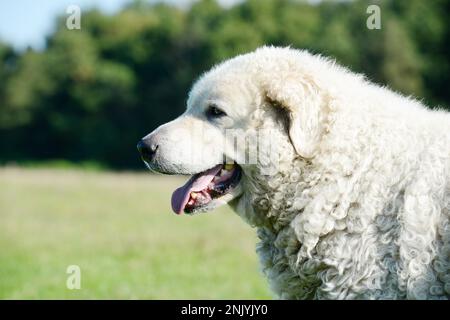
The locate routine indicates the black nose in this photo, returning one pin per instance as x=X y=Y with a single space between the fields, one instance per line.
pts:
x=147 y=150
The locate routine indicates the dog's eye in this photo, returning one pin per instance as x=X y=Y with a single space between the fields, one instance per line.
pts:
x=214 y=112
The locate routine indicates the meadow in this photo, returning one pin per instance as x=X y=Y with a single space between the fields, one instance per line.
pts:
x=119 y=229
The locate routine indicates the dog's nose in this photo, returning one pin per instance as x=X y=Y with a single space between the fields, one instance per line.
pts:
x=147 y=150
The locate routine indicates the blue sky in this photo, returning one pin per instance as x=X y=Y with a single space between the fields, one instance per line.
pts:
x=26 y=22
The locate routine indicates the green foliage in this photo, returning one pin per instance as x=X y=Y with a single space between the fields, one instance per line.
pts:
x=92 y=93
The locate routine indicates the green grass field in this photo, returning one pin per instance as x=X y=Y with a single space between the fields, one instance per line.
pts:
x=119 y=229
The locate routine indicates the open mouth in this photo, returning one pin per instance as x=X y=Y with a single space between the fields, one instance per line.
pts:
x=205 y=187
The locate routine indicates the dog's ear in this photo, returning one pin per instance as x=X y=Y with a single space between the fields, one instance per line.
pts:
x=304 y=104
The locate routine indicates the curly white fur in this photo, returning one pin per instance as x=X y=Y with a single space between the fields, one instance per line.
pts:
x=359 y=206
x=368 y=215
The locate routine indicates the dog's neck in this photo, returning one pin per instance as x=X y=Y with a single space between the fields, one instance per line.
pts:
x=272 y=201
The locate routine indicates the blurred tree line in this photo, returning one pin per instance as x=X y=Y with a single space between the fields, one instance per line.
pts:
x=92 y=93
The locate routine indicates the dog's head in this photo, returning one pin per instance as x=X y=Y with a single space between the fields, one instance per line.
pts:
x=244 y=117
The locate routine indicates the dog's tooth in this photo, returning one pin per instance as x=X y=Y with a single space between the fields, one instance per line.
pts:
x=229 y=166
x=193 y=195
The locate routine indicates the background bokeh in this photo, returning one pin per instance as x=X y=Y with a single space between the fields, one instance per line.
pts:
x=72 y=111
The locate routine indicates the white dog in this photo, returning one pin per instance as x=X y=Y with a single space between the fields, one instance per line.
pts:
x=350 y=186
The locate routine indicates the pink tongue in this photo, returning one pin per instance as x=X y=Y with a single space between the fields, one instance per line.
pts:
x=198 y=182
